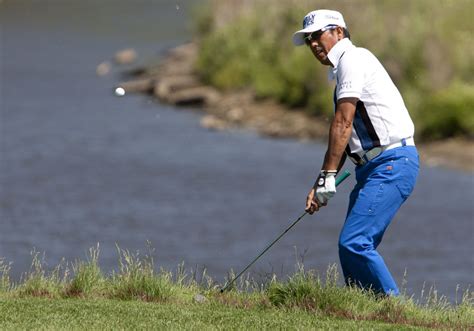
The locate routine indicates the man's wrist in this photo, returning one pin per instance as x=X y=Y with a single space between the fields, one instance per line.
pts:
x=321 y=180
x=327 y=172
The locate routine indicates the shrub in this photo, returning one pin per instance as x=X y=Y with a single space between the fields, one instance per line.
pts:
x=307 y=291
x=87 y=275
x=39 y=283
x=137 y=279
x=448 y=113
x=424 y=47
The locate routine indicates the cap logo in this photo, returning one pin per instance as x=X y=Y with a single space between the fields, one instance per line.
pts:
x=331 y=17
x=308 y=20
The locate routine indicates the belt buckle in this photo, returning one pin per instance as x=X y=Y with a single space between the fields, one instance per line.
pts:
x=355 y=161
x=372 y=154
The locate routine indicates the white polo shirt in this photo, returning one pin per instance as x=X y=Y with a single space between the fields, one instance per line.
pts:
x=381 y=117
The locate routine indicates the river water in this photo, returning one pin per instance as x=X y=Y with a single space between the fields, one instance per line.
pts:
x=80 y=166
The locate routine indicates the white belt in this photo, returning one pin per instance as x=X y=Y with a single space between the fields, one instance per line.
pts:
x=408 y=142
x=376 y=151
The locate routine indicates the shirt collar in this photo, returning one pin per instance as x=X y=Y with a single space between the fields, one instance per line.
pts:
x=335 y=54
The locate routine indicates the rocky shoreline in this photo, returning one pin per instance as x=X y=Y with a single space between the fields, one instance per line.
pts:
x=174 y=81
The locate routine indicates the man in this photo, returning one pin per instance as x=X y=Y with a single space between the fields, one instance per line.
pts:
x=372 y=126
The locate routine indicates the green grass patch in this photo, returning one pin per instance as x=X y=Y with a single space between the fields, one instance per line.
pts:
x=137 y=279
x=106 y=314
x=307 y=291
x=37 y=282
x=137 y=296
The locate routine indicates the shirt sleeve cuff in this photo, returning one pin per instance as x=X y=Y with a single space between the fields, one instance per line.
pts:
x=349 y=94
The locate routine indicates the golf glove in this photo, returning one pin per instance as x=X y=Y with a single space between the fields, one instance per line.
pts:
x=325 y=186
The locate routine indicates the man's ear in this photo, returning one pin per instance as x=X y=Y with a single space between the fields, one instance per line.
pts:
x=340 y=33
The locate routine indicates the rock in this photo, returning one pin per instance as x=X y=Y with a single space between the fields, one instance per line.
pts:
x=194 y=96
x=235 y=114
x=180 y=61
x=274 y=129
x=168 y=85
x=213 y=123
x=139 y=85
x=185 y=51
x=125 y=56
x=199 y=298
x=176 y=68
x=103 y=68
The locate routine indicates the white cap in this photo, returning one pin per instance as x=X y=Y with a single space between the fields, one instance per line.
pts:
x=316 y=20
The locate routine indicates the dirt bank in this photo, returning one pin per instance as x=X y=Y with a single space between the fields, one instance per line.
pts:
x=174 y=81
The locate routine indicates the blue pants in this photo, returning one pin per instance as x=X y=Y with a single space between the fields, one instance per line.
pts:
x=383 y=184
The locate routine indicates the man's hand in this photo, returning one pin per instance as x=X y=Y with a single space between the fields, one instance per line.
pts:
x=311 y=203
x=325 y=186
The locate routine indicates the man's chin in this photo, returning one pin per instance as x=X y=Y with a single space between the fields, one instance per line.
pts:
x=323 y=60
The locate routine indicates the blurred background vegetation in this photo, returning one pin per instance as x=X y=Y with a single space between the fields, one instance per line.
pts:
x=426 y=46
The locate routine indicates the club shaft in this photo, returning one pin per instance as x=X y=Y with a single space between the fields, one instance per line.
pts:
x=263 y=252
x=339 y=180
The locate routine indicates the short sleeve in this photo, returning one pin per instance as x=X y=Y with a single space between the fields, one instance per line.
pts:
x=350 y=76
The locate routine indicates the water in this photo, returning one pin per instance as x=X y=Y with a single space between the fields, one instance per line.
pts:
x=80 y=166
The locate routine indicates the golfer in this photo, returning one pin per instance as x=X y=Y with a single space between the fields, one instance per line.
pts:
x=372 y=127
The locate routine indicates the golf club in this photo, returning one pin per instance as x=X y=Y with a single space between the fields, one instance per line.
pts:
x=339 y=180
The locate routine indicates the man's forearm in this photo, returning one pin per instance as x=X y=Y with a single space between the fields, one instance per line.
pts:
x=338 y=138
x=341 y=163
x=339 y=135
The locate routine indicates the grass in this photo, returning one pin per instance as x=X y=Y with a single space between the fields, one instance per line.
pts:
x=423 y=44
x=106 y=314
x=138 y=297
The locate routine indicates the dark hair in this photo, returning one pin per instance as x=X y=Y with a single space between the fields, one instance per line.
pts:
x=346 y=33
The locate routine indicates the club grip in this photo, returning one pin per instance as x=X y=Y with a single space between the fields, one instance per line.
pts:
x=342 y=177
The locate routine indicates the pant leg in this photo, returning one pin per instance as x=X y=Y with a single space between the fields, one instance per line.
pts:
x=382 y=187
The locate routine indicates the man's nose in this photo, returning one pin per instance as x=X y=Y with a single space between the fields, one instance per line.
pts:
x=313 y=43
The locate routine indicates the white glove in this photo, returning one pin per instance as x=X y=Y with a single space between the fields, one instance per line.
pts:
x=325 y=186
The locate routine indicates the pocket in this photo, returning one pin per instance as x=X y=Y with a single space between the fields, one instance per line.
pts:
x=368 y=199
x=408 y=172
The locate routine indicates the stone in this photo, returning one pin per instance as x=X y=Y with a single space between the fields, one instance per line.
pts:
x=167 y=85
x=211 y=122
x=201 y=95
x=125 y=56
x=235 y=114
x=199 y=298
x=103 y=68
x=138 y=85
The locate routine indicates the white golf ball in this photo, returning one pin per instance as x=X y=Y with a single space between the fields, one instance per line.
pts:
x=119 y=91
